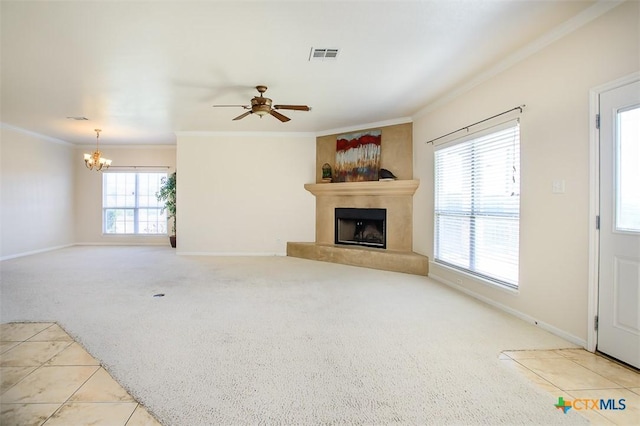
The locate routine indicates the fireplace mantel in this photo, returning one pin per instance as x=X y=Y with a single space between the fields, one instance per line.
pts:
x=393 y=187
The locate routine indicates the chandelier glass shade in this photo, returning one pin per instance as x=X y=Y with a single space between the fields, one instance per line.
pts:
x=95 y=161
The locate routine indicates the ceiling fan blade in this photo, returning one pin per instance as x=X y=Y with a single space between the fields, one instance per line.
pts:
x=279 y=116
x=229 y=106
x=294 y=107
x=241 y=116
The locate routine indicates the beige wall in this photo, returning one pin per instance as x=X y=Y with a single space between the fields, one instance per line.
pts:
x=395 y=150
x=36 y=193
x=88 y=189
x=554 y=84
x=244 y=194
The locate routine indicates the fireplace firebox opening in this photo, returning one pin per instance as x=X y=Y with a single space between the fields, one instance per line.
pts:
x=363 y=227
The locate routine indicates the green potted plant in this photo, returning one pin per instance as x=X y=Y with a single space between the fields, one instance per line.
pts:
x=167 y=194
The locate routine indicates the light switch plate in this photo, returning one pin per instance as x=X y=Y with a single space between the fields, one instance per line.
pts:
x=557 y=186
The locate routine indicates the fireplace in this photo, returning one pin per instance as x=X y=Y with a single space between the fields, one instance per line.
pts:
x=395 y=198
x=362 y=227
x=395 y=252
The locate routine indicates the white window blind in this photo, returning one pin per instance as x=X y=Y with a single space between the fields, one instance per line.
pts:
x=477 y=204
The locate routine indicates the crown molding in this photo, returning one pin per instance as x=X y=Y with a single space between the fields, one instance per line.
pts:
x=385 y=123
x=35 y=134
x=121 y=146
x=591 y=13
x=248 y=134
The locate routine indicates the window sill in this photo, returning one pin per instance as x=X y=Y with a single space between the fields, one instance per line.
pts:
x=135 y=235
x=460 y=278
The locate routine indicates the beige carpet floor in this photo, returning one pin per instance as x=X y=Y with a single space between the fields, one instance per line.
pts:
x=276 y=340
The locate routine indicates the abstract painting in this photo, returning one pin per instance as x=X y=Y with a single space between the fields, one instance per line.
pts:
x=358 y=156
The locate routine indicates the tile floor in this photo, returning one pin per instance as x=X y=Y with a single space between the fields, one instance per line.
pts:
x=577 y=374
x=48 y=379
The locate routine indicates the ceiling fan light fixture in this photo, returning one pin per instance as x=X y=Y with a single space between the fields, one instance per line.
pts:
x=262 y=106
x=261 y=110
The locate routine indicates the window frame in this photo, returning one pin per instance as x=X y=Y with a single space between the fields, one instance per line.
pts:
x=472 y=234
x=136 y=208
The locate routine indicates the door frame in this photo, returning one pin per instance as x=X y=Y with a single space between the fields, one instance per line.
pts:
x=594 y=202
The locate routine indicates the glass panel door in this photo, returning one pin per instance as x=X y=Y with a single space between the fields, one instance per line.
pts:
x=628 y=170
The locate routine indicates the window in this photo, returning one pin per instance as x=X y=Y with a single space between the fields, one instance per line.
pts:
x=628 y=170
x=129 y=204
x=477 y=204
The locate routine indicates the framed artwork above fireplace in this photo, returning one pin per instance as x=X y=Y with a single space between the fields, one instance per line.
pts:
x=358 y=156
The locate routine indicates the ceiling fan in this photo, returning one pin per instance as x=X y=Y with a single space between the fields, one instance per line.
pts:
x=262 y=106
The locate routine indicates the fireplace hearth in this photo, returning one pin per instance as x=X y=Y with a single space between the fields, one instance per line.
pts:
x=361 y=226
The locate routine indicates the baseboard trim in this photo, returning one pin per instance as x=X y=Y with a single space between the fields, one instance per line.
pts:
x=516 y=313
x=228 y=254
x=32 y=252
x=130 y=243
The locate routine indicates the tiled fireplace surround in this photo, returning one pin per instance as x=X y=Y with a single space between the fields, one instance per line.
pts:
x=395 y=196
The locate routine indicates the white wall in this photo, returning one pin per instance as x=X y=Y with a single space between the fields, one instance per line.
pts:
x=88 y=189
x=36 y=193
x=554 y=83
x=244 y=194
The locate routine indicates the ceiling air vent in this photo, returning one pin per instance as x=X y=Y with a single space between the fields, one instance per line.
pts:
x=323 y=54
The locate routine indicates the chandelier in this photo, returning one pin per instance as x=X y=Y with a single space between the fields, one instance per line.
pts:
x=95 y=161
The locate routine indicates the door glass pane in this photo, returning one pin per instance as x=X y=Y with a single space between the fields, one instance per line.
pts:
x=628 y=170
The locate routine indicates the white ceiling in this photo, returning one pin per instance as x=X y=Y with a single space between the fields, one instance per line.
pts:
x=142 y=71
